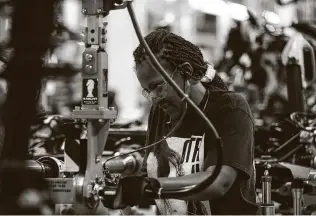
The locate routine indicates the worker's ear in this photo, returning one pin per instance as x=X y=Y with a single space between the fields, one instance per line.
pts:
x=186 y=71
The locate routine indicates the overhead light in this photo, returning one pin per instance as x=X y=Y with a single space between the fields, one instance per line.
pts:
x=169 y=17
x=71 y=14
x=220 y=8
x=238 y=11
x=214 y=7
x=186 y=22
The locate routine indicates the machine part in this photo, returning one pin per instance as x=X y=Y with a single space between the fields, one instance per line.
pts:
x=294 y=86
x=294 y=53
x=305 y=121
x=56 y=166
x=297 y=200
x=95 y=114
x=79 y=184
x=285 y=190
x=267 y=206
x=305 y=160
x=94 y=103
x=72 y=155
x=266 y=188
x=64 y=209
x=312 y=176
x=39 y=167
x=267 y=209
x=297 y=193
x=298 y=172
x=49 y=167
x=126 y=164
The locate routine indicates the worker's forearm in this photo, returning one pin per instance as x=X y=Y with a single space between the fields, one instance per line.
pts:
x=212 y=192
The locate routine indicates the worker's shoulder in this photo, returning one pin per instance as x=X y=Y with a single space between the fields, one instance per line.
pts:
x=230 y=100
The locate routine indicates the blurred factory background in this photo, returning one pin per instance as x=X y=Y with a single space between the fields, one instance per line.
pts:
x=246 y=41
x=204 y=22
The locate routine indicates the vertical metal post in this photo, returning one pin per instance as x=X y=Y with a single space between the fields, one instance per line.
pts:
x=267 y=207
x=297 y=193
x=94 y=104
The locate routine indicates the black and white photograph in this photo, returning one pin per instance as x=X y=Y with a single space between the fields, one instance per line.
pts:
x=157 y=107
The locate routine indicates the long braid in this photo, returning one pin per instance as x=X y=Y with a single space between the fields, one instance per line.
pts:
x=175 y=50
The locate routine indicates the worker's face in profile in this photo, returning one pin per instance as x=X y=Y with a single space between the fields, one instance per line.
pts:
x=158 y=90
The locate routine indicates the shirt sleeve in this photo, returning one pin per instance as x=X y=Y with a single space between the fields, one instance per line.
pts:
x=236 y=130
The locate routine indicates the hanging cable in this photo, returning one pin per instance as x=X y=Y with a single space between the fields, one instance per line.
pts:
x=184 y=191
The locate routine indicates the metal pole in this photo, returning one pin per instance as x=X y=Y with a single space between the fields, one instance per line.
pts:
x=297 y=193
x=267 y=207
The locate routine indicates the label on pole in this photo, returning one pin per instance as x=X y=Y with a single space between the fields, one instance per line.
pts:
x=62 y=190
x=90 y=92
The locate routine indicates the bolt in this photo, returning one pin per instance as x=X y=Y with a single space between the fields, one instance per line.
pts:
x=99 y=180
x=101 y=120
x=99 y=10
x=88 y=57
x=96 y=198
x=266 y=173
x=84 y=11
x=94 y=192
x=97 y=160
x=88 y=68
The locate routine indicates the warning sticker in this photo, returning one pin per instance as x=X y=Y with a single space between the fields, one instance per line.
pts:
x=62 y=190
x=90 y=92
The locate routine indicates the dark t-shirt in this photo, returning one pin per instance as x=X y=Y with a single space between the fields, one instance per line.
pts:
x=231 y=116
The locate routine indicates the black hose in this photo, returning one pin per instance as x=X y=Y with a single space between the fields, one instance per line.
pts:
x=184 y=191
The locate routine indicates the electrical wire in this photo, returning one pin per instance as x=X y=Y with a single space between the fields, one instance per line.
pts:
x=184 y=191
x=286 y=143
x=159 y=141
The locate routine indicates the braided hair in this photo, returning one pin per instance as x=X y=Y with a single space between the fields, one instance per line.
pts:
x=175 y=50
